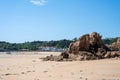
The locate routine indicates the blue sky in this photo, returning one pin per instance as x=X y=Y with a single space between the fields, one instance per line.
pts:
x=29 y=20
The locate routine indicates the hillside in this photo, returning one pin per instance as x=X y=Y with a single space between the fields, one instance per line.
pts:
x=33 y=46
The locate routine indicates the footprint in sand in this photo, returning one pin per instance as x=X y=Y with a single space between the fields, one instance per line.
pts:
x=83 y=78
x=61 y=75
x=7 y=74
x=45 y=71
x=8 y=68
x=22 y=72
x=36 y=79
x=81 y=70
x=72 y=73
x=49 y=76
x=28 y=71
x=1 y=77
x=80 y=77
x=33 y=60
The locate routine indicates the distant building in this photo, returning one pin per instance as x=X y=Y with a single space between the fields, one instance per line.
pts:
x=52 y=49
x=24 y=50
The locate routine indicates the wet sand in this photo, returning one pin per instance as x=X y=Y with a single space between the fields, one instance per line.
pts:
x=29 y=66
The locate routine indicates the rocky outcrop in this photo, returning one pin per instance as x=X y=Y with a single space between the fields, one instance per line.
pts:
x=116 y=45
x=87 y=47
x=87 y=42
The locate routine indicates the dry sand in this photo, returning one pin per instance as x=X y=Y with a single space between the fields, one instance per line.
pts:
x=29 y=66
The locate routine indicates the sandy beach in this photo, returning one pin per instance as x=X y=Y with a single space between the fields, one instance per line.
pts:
x=29 y=66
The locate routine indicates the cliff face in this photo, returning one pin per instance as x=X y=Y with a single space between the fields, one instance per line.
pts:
x=87 y=47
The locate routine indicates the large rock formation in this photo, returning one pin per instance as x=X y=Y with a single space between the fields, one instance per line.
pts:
x=87 y=47
x=87 y=42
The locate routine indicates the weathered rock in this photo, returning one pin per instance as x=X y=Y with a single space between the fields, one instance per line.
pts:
x=82 y=44
x=114 y=54
x=53 y=58
x=82 y=55
x=118 y=53
x=116 y=45
x=65 y=55
x=107 y=55
x=101 y=53
x=88 y=47
x=87 y=42
x=87 y=55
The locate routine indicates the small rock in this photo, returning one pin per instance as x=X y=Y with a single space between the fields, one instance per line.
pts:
x=80 y=77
